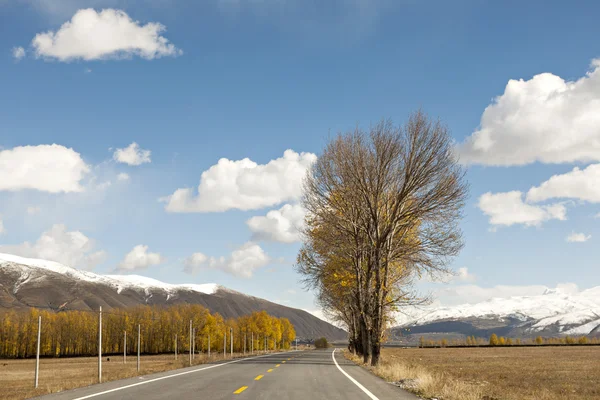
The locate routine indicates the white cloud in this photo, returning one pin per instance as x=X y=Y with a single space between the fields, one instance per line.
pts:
x=57 y=244
x=2 y=230
x=123 y=177
x=597 y=215
x=132 y=155
x=140 y=258
x=108 y=34
x=32 y=210
x=576 y=184
x=281 y=225
x=509 y=209
x=463 y=275
x=241 y=263
x=18 y=53
x=48 y=168
x=460 y=275
x=290 y=291
x=578 y=238
x=544 y=119
x=244 y=185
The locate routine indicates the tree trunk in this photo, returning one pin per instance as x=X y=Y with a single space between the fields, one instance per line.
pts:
x=366 y=340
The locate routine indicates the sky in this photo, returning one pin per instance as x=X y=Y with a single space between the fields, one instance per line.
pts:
x=169 y=138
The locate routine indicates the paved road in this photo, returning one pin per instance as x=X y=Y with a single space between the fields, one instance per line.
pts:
x=309 y=375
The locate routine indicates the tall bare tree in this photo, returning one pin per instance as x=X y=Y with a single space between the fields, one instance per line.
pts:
x=382 y=208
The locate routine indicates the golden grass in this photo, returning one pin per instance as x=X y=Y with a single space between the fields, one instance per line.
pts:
x=58 y=374
x=517 y=373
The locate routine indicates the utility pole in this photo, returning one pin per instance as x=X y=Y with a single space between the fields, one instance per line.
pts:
x=224 y=345
x=296 y=344
x=124 y=347
x=231 y=340
x=176 y=347
x=194 y=344
x=252 y=343
x=100 y=345
x=208 y=346
x=190 y=342
x=138 y=348
x=37 y=356
x=244 y=344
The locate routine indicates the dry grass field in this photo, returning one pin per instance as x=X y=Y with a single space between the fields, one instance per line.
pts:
x=505 y=373
x=58 y=374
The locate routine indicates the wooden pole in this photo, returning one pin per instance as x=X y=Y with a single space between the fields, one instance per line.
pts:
x=37 y=356
x=100 y=345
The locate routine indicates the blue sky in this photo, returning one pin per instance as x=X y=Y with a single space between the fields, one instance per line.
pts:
x=251 y=79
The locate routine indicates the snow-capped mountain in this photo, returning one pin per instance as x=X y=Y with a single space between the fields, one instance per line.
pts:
x=555 y=312
x=45 y=284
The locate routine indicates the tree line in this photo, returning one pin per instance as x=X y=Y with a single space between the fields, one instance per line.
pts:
x=382 y=208
x=495 y=340
x=75 y=333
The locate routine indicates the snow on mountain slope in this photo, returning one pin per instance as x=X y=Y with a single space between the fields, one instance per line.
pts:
x=27 y=267
x=571 y=313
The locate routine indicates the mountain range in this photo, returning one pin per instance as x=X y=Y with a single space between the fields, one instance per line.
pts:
x=554 y=313
x=26 y=283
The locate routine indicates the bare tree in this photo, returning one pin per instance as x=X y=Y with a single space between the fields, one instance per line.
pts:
x=382 y=208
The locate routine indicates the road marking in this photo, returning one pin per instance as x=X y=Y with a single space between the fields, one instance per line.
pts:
x=258 y=378
x=166 y=377
x=277 y=366
x=240 y=390
x=270 y=370
x=361 y=387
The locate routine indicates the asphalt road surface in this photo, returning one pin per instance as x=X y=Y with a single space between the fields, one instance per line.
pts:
x=302 y=375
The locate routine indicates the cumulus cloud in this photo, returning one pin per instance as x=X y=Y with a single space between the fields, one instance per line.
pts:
x=71 y=248
x=241 y=263
x=281 y=225
x=107 y=34
x=244 y=185
x=140 y=258
x=18 y=53
x=123 y=177
x=580 y=184
x=509 y=209
x=48 y=168
x=545 y=119
x=578 y=238
x=463 y=275
x=132 y=155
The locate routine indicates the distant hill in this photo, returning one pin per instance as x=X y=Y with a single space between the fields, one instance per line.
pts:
x=554 y=313
x=26 y=283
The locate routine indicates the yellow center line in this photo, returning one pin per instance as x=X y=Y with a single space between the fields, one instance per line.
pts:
x=277 y=365
x=240 y=390
x=258 y=378
x=283 y=362
x=270 y=370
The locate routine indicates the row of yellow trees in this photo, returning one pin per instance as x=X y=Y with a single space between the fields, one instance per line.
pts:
x=75 y=333
x=495 y=340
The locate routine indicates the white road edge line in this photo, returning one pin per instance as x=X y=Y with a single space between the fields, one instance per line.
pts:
x=172 y=376
x=361 y=387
